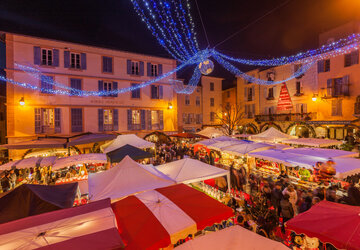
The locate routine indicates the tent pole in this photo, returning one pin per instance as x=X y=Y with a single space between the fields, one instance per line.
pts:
x=228 y=180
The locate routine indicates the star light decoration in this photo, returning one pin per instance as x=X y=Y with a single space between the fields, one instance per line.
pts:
x=171 y=23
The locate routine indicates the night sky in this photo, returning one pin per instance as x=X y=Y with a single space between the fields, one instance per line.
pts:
x=114 y=24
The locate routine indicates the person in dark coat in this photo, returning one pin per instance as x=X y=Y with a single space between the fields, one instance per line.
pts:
x=5 y=183
x=353 y=195
x=276 y=196
x=287 y=210
x=305 y=205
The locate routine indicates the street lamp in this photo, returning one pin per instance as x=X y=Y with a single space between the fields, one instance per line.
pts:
x=22 y=101
x=170 y=106
x=314 y=98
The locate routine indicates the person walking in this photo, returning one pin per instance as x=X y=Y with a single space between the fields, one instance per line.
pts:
x=287 y=210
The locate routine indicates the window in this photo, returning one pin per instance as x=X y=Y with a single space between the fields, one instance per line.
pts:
x=75 y=84
x=136 y=119
x=270 y=76
x=156 y=92
x=46 y=57
x=76 y=120
x=351 y=58
x=186 y=118
x=136 y=92
x=155 y=119
x=211 y=86
x=270 y=94
x=301 y=108
x=198 y=101
x=212 y=102
x=107 y=64
x=75 y=60
x=250 y=94
x=212 y=116
x=187 y=100
x=107 y=87
x=198 y=119
x=108 y=120
x=338 y=87
x=324 y=66
x=299 y=88
x=336 y=107
x=228 y=94
x=250 y=110
x=47 y=121
x=46 y=84
x=135 y=68
x=154 y=70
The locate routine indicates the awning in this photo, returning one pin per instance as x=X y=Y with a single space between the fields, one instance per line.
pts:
x=271 y=135
x=90 y=138
x=188 y=136
x=91 y=226
x=135 y=153
x=313 y=142
x=210 y=132
x=79 y=159
x=212 y=141
x=320 y=152
x=122 y=140
x=330 y=222
x=224 y=144
x=347 y=166
x=245 y=148
x=39 y=143
x=160 y=217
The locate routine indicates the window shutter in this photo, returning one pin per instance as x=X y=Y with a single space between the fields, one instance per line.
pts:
x=37 y=121
x=245 y=94
x=57 y=120
x=104 y=64
x=274 y=91
x=148 y=114
x=330 y=91
x=265 y=92
x=141 y=72
x=101 y=86
x=253 y=91
x=101 y=120
x=184 y=117
x=76 y=120
x=159 y=69
x=153 y=92
x=321 y=66
x=345 y=86
x=55 y=57
x=339 y=107
x=160 y=92
x=143 y=119
x=129 y=119
x=148 y=69
x=253 y=109
x=83 y=60
x=161 y=119
x=115 y=120
x=115 y=88
x=128 y=67
x=246 y=109
x=37 y=55
x=201 y=118
x=305 y=107
x=66 y=59
x=333 y=107
x=355 y=57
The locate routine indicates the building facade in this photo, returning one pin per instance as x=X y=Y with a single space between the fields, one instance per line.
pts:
x=199 y=109
x=229 y=97
x=88 y=68
x=324 y=102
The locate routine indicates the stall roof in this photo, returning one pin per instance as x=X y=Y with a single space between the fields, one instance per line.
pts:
x=235 y=237
x=125 y=178
x=330 y=222
x=135 y=153
x=320 y=152
x=90 y=138
x=313 y=142
x=91 y=226
x=157 y=218
x=271 y=135
x=38 y=143
x=209 y=142
x=288 y=159
x=122 y=140
x=224 y=144
x=188 y=135
x=245 y=148
x=9 y=165
x=48 y=161
x=27 y=200
x=347 y=166
x=210 y=132
x=79 y=159
x=190 y=170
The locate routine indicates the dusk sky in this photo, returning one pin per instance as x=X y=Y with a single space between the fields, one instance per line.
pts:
x=291 y=28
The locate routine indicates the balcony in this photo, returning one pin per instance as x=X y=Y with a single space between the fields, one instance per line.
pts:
x=357 y=109
x=286 y=117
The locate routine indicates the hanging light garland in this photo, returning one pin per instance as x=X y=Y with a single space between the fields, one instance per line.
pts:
x=171 y=23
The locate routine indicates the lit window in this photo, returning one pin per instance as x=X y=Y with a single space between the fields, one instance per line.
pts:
x=46 y=57
x=75 y=61
x=136 y=117
x=108 y=116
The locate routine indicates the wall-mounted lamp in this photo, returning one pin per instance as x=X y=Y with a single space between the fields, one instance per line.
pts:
x=314 y=98
x=170 y=106
x=22 y=101
x=225 y=114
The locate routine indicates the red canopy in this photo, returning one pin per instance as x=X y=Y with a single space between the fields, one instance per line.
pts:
x=330 y=222
x=188 y=135
x=160 y=217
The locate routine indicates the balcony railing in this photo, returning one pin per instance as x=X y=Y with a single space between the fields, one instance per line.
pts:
x=286 y=117
x=357 y=108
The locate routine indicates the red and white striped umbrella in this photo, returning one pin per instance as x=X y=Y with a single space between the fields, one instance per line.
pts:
x=157 y=218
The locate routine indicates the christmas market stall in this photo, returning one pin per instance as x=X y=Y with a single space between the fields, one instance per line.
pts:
x=91 y=226
x=210 y=132
x=135 y=153
x=312 y=142
x=122 y=140
x=271 y=135
x=162 y=217
x=328 y=222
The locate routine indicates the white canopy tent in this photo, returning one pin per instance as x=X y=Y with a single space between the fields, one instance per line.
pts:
x=122 y=140
x=245 y=148
x=79 y=159
x=190 y=170
x=313 y=142
x=209 y=142
x=271 y=135
x=235 y=237
x=320 y=152
x=210 y=132
x=8 y=165
x=346 y=167
x=29 y=163
x=288 y=159
x=224 y=144
x=126 y=178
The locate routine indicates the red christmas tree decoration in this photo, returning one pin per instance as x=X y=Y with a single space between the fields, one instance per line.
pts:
x=284 y=102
